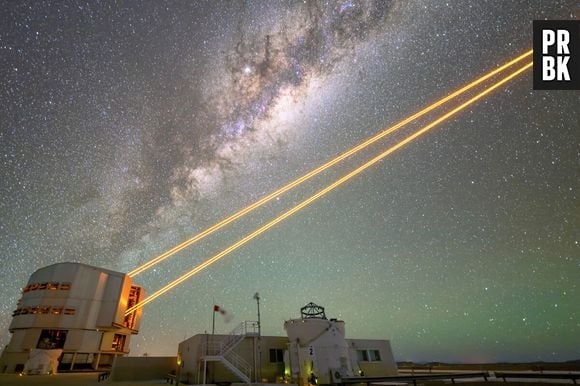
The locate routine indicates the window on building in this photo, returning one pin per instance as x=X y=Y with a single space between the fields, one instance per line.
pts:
x=118 y=342
x=66 y=358
x=84 y=358
x=44 y=286
x=368 y=355
x=130 y=320
x=276 y=355
x=51 y=339
x=374 y=355
x=362 y=355
x=65 y=286
x=52 y=286
x=43 y=310
x=56 y=310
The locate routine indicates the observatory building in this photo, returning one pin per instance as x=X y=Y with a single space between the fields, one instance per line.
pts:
x=74 y=313
x=315 y=351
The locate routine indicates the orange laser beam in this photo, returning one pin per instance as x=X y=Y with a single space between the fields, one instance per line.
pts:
x=319 y=169
x=323 y=192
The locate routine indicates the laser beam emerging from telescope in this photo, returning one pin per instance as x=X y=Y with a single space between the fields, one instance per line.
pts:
x=324 y=191
x=320 y=169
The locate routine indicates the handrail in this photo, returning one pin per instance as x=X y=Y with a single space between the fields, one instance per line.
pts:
x=244 y=328
x=414 y=378
x=239 y=362
x=537 y=375
x=221 y=349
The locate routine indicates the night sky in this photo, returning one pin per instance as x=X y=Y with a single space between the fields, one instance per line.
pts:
x=128 y=127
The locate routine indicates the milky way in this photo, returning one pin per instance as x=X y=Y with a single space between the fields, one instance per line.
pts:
x=262 y=67
x=128 y=128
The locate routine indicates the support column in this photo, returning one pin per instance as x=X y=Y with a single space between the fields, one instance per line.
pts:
x=74 y=358
x=97 y=361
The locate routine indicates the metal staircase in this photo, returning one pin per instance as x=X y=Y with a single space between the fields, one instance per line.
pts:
x=222 y=350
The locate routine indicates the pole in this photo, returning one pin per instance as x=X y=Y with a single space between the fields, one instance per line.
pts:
x=212 y=336
x=213 y=323
x=212 y=339
x=259 y=344
x=259 y=367
x=205 y=357
x=259 y=324
x=257 y=297
x=254 y=359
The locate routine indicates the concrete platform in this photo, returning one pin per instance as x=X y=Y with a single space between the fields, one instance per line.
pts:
x=72 y=379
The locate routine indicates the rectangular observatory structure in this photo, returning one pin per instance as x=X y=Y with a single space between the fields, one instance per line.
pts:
x=315 y=352
x=77 y=308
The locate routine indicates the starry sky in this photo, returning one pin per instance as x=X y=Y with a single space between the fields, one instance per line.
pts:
x=128 y=127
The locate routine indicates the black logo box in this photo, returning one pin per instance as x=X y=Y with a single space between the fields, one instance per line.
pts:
x=573 y=27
